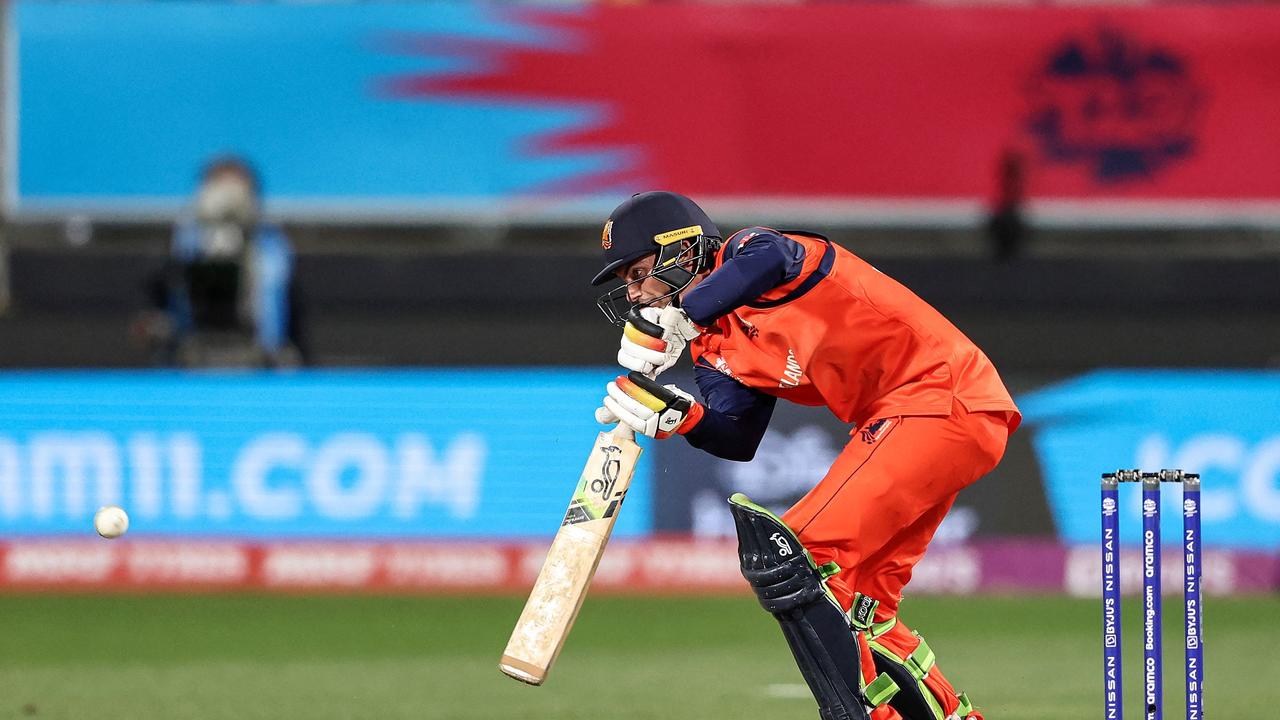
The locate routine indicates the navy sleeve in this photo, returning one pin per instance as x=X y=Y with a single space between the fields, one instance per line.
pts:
x=756 y=260
x=735 y=419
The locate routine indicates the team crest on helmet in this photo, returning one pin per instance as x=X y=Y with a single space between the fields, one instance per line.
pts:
x=606 y=236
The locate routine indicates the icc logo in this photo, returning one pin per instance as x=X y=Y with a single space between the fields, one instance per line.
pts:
x=1189 y=507
x=1148 y=507
x=1109 y=506
x=1121 y=109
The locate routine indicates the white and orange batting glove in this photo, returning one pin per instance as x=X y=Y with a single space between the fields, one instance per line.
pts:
x=643 y=352
x=649 y=408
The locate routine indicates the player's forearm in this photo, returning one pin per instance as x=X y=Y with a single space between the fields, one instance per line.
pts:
x=735 y=417
x=757 y=268
x=728 y=436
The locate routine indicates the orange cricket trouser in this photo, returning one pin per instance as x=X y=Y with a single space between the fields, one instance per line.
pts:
x=881 y=502
x=878 y=507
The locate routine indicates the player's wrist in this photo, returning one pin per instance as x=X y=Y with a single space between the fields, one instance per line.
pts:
x=692 y=418
x=676 y=323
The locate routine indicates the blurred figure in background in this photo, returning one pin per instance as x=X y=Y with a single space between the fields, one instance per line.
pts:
x=227 y=296
x=1007 y=227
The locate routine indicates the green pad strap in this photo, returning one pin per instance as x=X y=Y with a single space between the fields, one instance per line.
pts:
x=921 y=660
x=828 y=570
x=965 y=706
x=878 y=629
x=918 y=664
x=863 y=611
x=880 y=690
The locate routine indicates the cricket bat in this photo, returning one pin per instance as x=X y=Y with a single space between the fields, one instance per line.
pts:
x=571 y=562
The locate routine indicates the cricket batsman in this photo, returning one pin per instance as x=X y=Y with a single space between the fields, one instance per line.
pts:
x=769 y=315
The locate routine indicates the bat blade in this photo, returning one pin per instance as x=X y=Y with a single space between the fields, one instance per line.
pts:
x=571 y=562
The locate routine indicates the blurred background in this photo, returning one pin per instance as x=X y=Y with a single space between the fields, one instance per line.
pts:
x=304 y=287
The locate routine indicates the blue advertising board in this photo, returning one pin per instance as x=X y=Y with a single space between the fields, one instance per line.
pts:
x=1223 y=425
x=317 y=454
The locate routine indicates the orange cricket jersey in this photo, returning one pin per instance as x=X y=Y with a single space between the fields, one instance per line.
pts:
x=844 y=335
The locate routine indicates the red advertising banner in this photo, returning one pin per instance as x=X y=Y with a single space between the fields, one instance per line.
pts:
x=1151 y=112
x=671 y=565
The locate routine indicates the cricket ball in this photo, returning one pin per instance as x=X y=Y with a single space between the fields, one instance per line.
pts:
x=110 y=521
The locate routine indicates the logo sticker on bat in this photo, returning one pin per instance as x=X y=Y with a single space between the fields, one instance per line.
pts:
x=588 y=507
x=609 y=469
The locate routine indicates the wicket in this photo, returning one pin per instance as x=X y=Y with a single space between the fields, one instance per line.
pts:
x=1152 y=651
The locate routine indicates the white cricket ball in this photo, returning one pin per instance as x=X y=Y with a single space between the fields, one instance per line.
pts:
x=110 y=521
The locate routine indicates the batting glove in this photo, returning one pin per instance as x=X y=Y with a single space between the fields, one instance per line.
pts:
x=649 y=408
x=649 y=355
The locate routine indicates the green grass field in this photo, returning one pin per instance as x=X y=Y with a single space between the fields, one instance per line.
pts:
x=244 y=657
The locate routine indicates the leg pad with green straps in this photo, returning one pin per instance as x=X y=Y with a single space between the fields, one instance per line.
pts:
x=790 y=586
x=914 y=699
